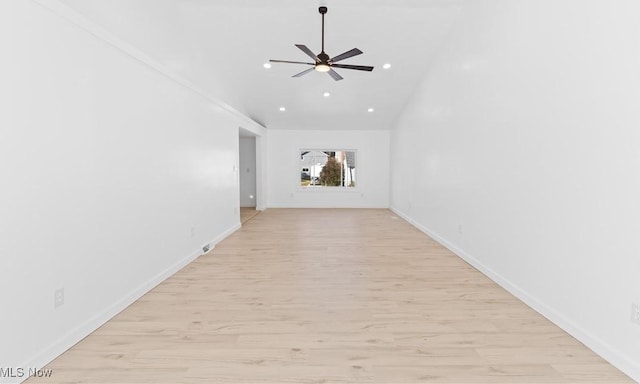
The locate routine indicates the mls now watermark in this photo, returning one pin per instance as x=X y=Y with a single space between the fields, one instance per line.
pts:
x=17 y=373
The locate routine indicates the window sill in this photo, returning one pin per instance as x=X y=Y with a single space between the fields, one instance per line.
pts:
x=329 y=189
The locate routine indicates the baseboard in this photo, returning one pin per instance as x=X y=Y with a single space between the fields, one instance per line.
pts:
x=606 y=351
x=224 y=235
x=67 y=341
x=322 y=205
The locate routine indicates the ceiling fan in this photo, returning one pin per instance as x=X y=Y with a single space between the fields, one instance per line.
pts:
x=324 y=63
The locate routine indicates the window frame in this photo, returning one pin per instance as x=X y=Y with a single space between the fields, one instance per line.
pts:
x=328 y=189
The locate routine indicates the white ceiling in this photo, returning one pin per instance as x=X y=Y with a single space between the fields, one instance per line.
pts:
x=221 y=46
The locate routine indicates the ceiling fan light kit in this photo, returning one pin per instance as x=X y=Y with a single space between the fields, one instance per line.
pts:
x=322 y=61
x=322 y=68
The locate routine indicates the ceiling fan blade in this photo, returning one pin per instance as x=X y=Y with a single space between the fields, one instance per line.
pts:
x=356 y=67
x=346 y=55
x=290 y=62
x=303 y=72
x=335 y=75
x=306 y=50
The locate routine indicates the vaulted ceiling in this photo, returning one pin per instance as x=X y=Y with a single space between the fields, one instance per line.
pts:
x=221 y=46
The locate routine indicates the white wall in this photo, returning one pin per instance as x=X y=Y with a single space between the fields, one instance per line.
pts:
x=521 y=152
x=247 y=171
x=372 y=167
x=113 y=177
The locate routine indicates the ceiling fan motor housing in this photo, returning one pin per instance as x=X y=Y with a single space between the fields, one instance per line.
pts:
x=324 y=58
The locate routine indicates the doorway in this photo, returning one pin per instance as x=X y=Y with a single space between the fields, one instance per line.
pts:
x=248 y=175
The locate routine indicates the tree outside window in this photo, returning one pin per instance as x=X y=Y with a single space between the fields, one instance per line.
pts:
x=328 y=168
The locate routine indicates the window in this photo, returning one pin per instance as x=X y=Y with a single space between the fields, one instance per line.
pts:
x=327 y=168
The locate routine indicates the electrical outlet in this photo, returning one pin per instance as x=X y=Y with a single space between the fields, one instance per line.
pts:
x=58 y=298
x=635 y=313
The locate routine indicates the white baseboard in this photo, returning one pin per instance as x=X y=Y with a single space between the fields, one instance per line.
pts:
x=599 y=346
x=67 y=341
x=224 y=235
x=307 y=205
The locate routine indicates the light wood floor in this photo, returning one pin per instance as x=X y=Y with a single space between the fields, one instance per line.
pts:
x=247 y=214
x=315 y=296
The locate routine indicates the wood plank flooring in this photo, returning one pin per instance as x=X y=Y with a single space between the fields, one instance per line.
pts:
x=247 y=213
x=329 y=296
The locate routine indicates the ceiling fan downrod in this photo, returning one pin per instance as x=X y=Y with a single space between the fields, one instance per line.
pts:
x=323 y=11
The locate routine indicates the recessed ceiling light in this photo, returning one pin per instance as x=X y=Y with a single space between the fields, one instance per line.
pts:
x=370 y=110
x=282 y=109
x=267 y=65
x=326 y=94
x=386 y=66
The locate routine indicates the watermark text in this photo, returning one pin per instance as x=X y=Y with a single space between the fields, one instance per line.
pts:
x=21 y=372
